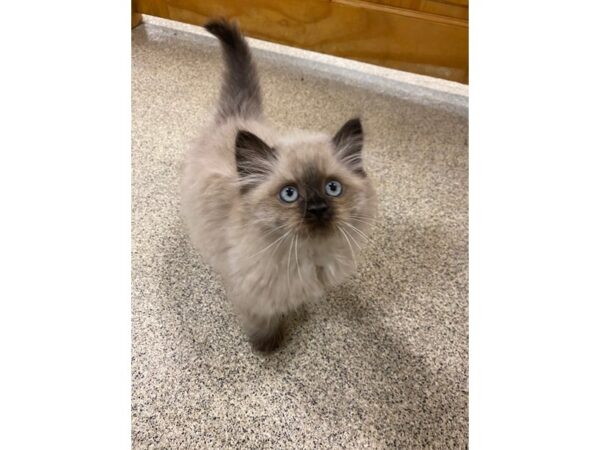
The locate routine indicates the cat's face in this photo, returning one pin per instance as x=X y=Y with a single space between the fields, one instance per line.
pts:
x=312 y=187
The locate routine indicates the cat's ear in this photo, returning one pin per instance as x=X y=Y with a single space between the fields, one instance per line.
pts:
x=253 y=156
x=348 y=144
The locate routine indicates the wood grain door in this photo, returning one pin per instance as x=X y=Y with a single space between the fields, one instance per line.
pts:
x=428 y=37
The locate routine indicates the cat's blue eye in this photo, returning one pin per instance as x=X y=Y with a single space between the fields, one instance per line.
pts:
x=289 y=194
x=333 y=188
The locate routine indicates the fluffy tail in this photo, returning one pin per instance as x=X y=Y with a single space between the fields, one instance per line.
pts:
x=240 y=91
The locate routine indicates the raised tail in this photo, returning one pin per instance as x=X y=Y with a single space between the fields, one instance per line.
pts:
x=240 y=92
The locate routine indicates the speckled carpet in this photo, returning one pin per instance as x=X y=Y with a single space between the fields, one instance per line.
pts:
x=382 y=362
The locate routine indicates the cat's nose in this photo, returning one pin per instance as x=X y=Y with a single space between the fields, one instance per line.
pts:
x=318 y=209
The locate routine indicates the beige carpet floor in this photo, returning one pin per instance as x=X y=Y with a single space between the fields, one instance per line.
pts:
x=382 y=362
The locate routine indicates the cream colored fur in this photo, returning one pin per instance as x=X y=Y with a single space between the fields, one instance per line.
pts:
x=269 y=260
x=233 y=232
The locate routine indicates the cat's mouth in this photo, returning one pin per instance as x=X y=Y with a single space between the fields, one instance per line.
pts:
x=318 y=226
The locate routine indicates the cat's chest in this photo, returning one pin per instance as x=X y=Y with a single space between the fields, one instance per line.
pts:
x=310 y=266
x=325 y=268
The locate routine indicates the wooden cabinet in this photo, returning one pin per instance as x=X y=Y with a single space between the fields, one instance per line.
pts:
x=448 y=8
x=428 y=37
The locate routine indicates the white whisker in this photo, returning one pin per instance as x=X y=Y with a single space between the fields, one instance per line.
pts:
x=277 y=246
x=349 y=245
x=271 y=244
x=365 y=220
x=360 y=233
x=244 y=226
x=288 y=262
x=363 y=216
x=371 y=224
x=297 y=262
x=275 y=229
x=353 y=240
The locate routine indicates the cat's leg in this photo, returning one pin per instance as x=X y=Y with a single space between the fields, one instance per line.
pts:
x=264 y=332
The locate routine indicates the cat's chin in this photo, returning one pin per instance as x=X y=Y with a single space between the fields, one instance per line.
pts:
x=319 y=231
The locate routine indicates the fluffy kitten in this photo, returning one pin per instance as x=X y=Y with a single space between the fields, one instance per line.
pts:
x=279 y=215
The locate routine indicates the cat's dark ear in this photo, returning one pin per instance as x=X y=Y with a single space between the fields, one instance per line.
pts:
x=253 y=156
x=348 y=144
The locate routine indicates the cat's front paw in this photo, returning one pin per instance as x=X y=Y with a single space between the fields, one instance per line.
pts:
x=268 y=339
x=268 y=343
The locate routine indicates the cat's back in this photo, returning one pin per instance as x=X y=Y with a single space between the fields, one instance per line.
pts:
x=213 y=152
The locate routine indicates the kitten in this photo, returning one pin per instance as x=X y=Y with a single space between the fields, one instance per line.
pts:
x=280 y=216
